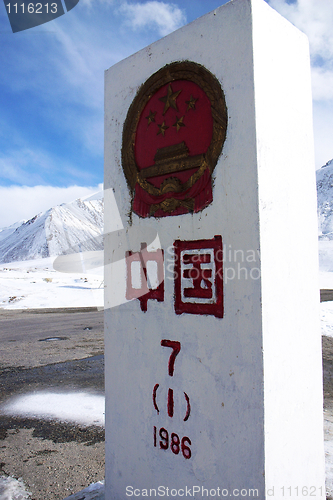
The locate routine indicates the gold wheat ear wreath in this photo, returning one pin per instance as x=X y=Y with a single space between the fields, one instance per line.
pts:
x=175 y=181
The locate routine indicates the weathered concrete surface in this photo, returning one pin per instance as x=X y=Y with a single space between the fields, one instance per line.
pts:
x=249 y=375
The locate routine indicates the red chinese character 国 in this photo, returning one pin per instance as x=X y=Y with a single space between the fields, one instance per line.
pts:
x=199 y=277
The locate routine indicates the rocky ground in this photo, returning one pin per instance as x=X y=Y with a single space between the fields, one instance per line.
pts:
x=54 y=459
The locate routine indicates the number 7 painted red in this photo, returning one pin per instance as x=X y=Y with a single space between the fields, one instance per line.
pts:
x=175 y=346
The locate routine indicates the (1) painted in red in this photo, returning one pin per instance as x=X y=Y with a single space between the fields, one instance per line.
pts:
x=170 y=403
x=188 y=410
x=154 y=398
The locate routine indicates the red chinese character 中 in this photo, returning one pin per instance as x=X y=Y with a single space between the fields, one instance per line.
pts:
x=145 y=289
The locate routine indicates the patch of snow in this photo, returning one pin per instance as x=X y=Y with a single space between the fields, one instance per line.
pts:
x=36 y=285
x=78 y=407
x=13 y=489
x=325 y=280
x=94 y=492
x=325 y=248
x=328 y=436
x=326 y=318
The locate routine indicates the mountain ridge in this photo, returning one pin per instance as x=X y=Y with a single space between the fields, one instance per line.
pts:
x=324 y=177
x=56 y=231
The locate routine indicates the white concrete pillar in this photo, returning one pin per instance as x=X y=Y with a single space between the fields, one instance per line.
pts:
x=213 y=379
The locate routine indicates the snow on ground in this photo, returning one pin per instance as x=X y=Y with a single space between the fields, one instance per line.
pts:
x=13 y=489
x=94 y=492
x=78 y=407
x=325 y=280
x=325 y=249
x=328 y=427
x=36 y=284
x=326 y=313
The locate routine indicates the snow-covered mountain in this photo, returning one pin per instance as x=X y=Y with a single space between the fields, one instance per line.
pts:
x=5 y=232
x=325 y=201
x=75 y=226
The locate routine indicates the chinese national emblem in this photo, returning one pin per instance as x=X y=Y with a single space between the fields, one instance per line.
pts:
x=173 y=135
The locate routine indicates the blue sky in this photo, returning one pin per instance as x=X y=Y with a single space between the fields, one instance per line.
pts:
x=51 y=90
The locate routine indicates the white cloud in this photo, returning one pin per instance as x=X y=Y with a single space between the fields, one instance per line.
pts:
x=162 y=16
x=322 y=84
x=323 y=131
x=23 y=202
x=315 y=19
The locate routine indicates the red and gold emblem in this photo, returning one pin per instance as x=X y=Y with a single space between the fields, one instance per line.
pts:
x=173 y=135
